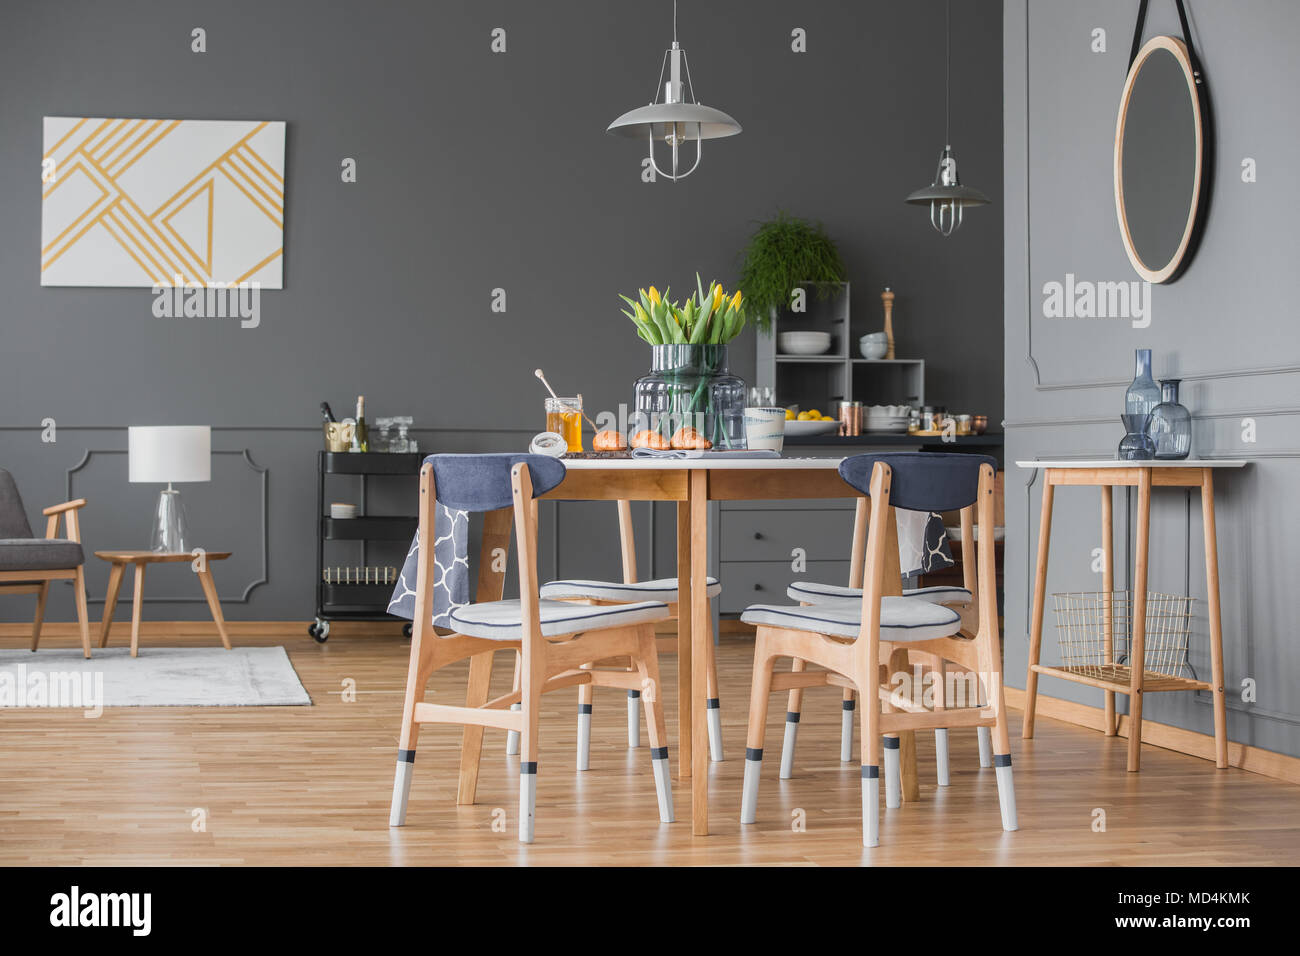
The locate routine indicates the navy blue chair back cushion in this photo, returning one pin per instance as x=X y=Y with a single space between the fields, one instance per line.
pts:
x=922 y=481
x=482 y=482
x=13 y=519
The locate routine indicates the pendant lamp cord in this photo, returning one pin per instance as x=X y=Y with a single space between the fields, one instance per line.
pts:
x=674 y=21
x=947 y=74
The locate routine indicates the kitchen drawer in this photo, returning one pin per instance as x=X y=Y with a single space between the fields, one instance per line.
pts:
x=793 y=504
x=772 y=535
x=764 y=582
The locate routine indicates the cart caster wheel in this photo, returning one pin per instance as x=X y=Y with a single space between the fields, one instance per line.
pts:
x=406 y=630
x=320 y=630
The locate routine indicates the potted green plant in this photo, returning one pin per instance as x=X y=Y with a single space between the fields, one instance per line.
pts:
x=783 y=254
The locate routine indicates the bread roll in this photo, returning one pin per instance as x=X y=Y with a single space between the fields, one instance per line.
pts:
x=650 y=439
x=688 y=437
x=609 y=440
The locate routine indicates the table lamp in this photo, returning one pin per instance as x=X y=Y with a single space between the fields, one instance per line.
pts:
x=166 y=454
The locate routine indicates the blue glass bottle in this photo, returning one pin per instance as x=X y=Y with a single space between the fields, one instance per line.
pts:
x=1139 y=400
x=1144 y=394
x=1170 y=424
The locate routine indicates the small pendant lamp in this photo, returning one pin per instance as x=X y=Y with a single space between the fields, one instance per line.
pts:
x=946 y=196
x=677 y=118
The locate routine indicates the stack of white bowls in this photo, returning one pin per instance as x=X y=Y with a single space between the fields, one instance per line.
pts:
x=885 y=418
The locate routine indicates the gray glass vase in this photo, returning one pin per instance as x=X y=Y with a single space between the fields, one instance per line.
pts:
x=1136 y=445
x=1170 y=425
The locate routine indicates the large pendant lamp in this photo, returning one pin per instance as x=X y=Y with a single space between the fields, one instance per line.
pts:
x=946 y=196
x=674 y=117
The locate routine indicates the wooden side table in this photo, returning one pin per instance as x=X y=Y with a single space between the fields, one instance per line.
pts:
x=1118 y=678
x=120 y=559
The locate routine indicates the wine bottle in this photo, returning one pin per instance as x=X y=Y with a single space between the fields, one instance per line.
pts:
x=326 y=412
x=361 y=437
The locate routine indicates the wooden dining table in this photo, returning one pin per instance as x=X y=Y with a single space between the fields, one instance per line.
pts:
x=692 y=484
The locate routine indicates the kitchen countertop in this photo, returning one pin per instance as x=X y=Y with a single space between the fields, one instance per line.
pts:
x=987 y=440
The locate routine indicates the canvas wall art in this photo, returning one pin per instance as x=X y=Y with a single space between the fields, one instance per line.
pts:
x=137 y=202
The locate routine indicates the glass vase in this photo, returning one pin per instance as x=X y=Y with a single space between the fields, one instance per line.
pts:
x=1136 y=445
x=1143 y=394
x=1170 y=426
x=689 y=386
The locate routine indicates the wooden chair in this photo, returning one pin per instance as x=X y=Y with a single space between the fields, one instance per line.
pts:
x=553 y=638
x=610 y=593
x=962 y=599
x=851 y=639
x=28 y=564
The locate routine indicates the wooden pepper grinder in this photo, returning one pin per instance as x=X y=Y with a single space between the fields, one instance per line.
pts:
x=887 y=297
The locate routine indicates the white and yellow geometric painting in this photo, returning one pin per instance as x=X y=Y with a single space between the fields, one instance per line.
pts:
x=133 y=202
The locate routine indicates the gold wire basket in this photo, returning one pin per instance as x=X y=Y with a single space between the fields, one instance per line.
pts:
x=1095 y=634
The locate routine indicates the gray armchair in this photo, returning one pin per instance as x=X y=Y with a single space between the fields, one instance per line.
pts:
x=28 y=564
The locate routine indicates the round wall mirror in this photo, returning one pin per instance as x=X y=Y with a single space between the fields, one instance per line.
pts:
x=1160 y=167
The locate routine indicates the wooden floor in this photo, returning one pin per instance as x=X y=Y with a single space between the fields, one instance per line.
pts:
x=311 y=785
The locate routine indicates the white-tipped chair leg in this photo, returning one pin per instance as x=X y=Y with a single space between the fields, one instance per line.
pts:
x=788 y=744
x=527 y=801
x=1006 y=792
x=941 y=755
x=893 y=774
x=749 y=795
x=584 y=736
x=846 y=730
x=986 y=746
x=634 y=719
x=870 y=805
x=512 y=738
x=663 y=783
x=401 y=788
x=714 y=710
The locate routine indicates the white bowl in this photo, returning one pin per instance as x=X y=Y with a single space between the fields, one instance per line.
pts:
x=873 y=350
x=803 y=343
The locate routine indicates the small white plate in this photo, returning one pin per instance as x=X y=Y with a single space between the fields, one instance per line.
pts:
x=797 y=428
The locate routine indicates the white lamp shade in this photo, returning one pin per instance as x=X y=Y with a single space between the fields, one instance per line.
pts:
x=167 y=453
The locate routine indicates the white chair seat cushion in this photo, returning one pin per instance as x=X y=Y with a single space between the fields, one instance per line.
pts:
x=502 y=620
x=901 y=618
x=661 y=589
x=814 y=592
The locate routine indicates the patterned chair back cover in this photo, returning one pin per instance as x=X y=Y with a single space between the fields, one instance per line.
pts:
x=463 y=484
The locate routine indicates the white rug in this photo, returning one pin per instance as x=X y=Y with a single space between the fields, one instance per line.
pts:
x=159 y=677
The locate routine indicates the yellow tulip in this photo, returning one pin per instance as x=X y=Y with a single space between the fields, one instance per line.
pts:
x=735 y=300
x=717 y=296
x=654 y=295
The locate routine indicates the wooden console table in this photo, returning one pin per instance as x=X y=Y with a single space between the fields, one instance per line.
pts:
x=120 y=559
x=1119 y=678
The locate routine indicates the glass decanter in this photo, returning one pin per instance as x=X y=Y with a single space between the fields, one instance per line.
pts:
x=1170 y=425
x=1144 y=394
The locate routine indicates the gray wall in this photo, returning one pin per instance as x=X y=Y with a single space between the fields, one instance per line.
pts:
x=475 y=171
x=1227 y=326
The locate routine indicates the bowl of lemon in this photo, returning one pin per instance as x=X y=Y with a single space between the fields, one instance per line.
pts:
x=810 y=422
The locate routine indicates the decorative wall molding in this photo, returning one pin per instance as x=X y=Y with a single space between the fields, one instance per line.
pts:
x=264 y=474
x=1199 y=416
x=275 y=428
